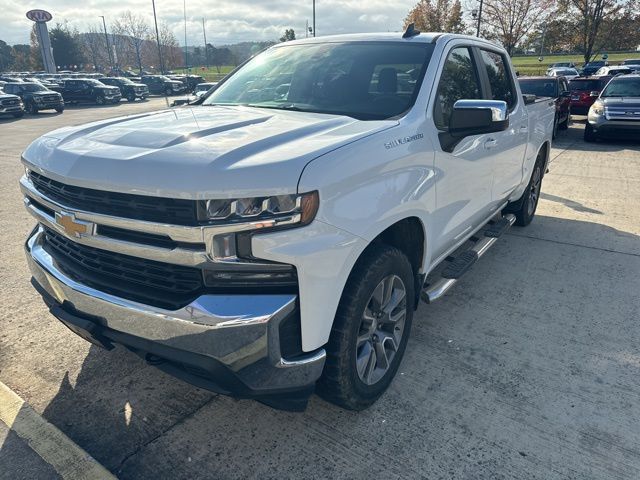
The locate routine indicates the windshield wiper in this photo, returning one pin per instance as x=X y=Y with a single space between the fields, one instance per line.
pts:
x=287 y=106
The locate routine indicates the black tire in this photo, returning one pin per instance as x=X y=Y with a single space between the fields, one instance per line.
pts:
x=525 y=207
x=565 y=125
x=168 y=91
x=100 y=100
x=589 y=134
x=131 y=97
x=18 y=115
x=32 y=109
x=60 y=109
x=340 y=382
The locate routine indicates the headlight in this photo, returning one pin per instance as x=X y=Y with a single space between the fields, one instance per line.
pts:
x=597 y=108
x=261 y=212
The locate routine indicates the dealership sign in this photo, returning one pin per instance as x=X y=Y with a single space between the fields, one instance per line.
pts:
x=39 y=15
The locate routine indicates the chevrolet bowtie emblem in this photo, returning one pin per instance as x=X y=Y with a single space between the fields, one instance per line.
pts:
x=73 y=227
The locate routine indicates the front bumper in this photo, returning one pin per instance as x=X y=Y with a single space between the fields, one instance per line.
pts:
x=229 y=344
x=614 y=128
x=11 y=109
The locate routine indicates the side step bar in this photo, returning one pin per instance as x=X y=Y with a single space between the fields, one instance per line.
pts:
x=461 y=264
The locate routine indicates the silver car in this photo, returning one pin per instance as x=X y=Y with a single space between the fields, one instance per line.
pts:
x=616 y=112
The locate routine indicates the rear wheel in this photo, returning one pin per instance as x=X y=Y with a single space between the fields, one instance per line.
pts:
x=371 y=329
x=100 y=100
x=18 y=115
x=60 y=109
x=589 y=134
x=525 y=207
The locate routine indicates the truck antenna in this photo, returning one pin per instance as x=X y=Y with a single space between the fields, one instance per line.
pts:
x=410 y=31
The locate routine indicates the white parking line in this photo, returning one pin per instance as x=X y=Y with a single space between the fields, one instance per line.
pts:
x=55 y=448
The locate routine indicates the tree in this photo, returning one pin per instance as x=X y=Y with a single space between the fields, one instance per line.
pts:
x=172 y=55
x=289 y=34
x=35 y=59
x=66 y=46
x=441 y=16
x=136 y=30
x=591 y=16
x=95 y=47
x=6 y=56
x=21 y=57
x=509 y=21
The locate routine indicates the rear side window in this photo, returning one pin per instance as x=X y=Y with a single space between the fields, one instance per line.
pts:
x=459 y=80
x=499 y=77
x=585 y=85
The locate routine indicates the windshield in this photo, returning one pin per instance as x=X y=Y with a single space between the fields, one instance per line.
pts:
x=566 y=71
x=364 y=80
x=32 y=87
x=539 y=87
x=586 y=85
x=94 y=82
x=123 y=81
x=622 y=87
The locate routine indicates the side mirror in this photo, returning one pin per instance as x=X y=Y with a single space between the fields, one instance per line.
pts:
x=594 y=94
x=476 y=117
x=566 y=93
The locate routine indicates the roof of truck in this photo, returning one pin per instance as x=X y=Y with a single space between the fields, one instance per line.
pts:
x=423 y=37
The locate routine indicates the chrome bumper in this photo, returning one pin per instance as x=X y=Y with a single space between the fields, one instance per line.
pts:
x=240 y=333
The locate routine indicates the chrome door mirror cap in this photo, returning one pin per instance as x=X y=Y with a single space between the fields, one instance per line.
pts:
x=499 y=109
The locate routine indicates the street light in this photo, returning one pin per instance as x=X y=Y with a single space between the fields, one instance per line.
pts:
x=314 y=18
x=106 y=38
x=477 y=14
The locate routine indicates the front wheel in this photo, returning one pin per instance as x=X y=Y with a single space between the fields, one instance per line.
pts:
x=60 y=109
x=370 y=330
x=131 y=97
x=32 y=109
x=168 y=91
x=589 y=134
x=100 y=100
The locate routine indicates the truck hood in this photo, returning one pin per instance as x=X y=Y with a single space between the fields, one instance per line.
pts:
x=195 y=153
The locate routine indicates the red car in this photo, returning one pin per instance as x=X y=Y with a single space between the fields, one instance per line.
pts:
x=585 y=91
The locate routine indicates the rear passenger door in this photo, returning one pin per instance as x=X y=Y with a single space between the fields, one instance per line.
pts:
x=465 y=172
x=507 y=148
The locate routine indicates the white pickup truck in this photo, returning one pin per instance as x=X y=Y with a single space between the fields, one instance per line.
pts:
x=276 y=237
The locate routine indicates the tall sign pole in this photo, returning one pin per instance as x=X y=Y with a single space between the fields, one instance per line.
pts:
x=106 y=39
x=41 y=17
x=479 y=20
x=314 y=18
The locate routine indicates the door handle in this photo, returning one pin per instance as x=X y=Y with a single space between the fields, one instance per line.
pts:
x=490 y=143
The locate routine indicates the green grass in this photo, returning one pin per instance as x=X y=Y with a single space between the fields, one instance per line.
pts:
x=529 y=65
x=211 y=74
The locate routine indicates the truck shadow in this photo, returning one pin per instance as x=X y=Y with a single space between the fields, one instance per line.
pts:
x=125 y=413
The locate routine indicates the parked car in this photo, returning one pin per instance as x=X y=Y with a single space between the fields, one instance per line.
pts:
x=260 y=244
x=631 y=62
x=616 y=112
x=556 y=88
x=190 y=81
x=9 y=79
x=562 y=65
x=35 y=97
x=592 y=67
x=131 y=91
x=568 y=73
x=613 y=71
x=89 y=90
x=11 y=105
x=203 y=88
x=585 y=91
x=161 y=85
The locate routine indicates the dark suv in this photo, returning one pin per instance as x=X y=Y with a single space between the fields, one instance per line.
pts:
x=36 y=97
x=11 y=105
x=161 y=85
x=556 y=88
x=89 y=90
x=129 y=89
x=592 y=67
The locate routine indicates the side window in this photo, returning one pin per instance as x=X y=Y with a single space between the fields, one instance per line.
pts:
x=459 y=80
x=499 y=77
x=8 y=89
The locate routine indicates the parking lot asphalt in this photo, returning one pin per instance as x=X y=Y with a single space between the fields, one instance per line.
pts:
x=527 y=369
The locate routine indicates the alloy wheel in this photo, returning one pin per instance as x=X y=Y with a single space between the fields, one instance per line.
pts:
x=381 y=329
x=534 y=191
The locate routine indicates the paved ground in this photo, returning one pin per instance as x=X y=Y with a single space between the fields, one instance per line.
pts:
x=528 y=369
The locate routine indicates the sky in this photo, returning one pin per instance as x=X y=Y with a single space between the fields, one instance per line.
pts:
x=227 y=21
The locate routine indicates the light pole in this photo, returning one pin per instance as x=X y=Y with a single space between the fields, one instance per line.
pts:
x=206 y=53
x=106 y=39
x=186 y=57
x=479 y=20
x=155 y=21
x=314 y=18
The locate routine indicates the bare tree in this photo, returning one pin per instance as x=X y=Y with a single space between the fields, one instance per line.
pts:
x=94 y=45
x=438 y=16
x=591 y=16
x=136 y=30
x=509 y=21
x=169 y=46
